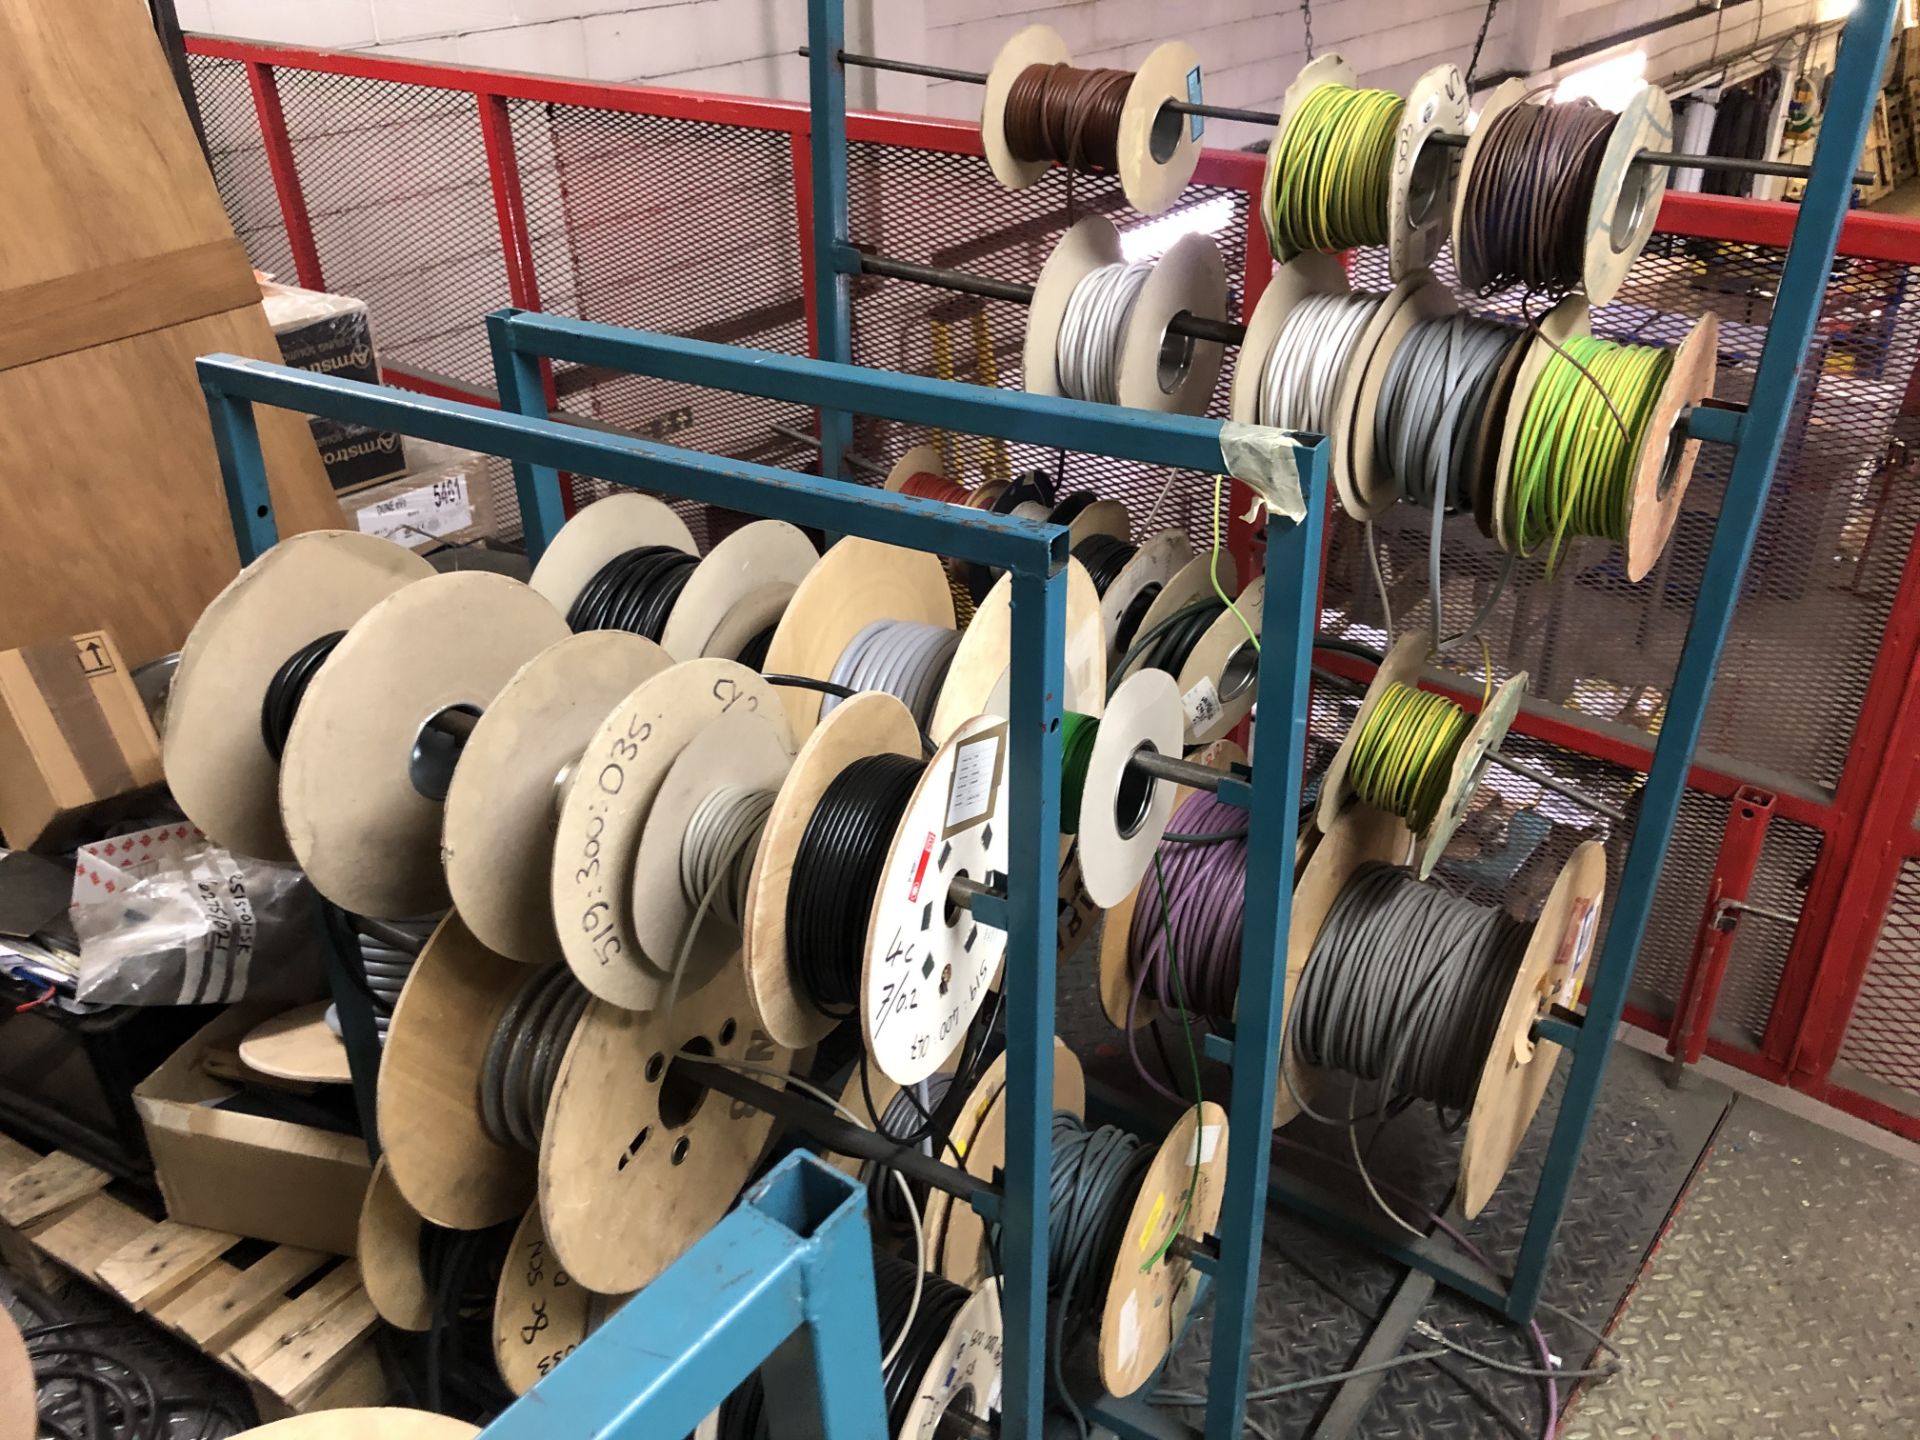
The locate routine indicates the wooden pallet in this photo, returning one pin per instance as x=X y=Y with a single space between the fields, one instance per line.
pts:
x=298 y=1348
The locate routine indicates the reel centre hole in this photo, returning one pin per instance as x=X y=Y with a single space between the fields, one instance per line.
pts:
x=1176 y=359
x=1424 y=180
x=1242 y=669
x=437 y=747
x=1670 y=461
x=1164 y=139
x=1631 y=208
x=1134 y=799
x=681 y=1093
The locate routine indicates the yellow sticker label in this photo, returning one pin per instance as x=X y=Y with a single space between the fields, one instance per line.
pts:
x=1153 y=1222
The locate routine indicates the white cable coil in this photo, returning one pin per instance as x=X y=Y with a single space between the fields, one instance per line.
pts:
x=906 y=659
x=1309 y=358
x=1094 y=329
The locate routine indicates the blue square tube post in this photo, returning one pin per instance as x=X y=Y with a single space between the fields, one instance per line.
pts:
x=1757 y=441
x=827 y=142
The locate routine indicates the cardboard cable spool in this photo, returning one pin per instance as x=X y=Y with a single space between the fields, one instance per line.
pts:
x=1157 y=560
x=1143 y=1310
x=601 y=532
x=363 y=812
x=1301 y=278
x=1626 y=196
x=1518 y=1067
x=928 y=963
x=540 y=1313
x=596 y=900
x=856 y=583
x=217 y=764
x=298 y=1045
x=1157 y=148
x=1664 y=464
x=871 y=724
x=638 y=1159
x=1403 y=666
x=1123 y=811
x=442 y=1159
x=964 y=1370
x=1420 y=187
x=977 y=678
x=942 y=1210
x=1373 y=488
x=497 y=837
x=381 y=1423
x=1157 y=370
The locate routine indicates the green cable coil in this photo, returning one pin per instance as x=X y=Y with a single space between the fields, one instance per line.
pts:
x=1579 y=444
x=1077 y=736
x=1330 y=179
x=1403 y=756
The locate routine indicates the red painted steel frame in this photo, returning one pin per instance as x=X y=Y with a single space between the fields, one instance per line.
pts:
x=286 y=174
x=1866 y=828
x=1720 y=921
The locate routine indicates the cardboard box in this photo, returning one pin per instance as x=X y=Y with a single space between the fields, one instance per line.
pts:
x=446 y=503
x=332 y=335
x=75 y=740
x=246 y=1174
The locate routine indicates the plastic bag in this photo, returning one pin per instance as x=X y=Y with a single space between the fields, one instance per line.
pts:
x=166 y=917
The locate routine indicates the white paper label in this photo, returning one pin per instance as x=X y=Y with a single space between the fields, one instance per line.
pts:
x=1200 y=1151
x=1130 y=1329
x=427 y=513
x=1202 y=704
x=1582 y=947
x=975 y=768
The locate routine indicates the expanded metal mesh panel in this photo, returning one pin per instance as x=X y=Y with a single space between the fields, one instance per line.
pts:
x=396 y=182
x=239 y=159
x=948 y=210
x=1818 y=592
x=671 y=225
x=1883 y=1040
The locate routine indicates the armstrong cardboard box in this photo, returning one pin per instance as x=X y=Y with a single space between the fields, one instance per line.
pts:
x=332 y=335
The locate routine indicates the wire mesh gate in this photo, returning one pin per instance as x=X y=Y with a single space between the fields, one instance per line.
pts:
x=436 y=194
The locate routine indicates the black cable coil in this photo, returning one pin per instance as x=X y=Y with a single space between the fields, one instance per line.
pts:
x=462 y=1271
x=940 y=1304
x=1105 y=557
x=837 y=868
x=289 y=686
x=523 y=1057
x=635 y=591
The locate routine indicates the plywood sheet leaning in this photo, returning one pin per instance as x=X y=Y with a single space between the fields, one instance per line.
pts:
x=118 y=268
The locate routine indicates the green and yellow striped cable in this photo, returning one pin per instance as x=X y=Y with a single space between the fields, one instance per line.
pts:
x=1403 y=757
x=1331 y=176
x=1579 y=444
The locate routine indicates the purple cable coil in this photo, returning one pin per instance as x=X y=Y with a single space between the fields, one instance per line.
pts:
x=1206 y=899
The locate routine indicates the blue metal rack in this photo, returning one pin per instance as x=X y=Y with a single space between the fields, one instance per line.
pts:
x=783 y=1284
x=1035 y=554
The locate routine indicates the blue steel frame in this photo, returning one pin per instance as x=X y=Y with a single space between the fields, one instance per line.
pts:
x=1035 y=553
x=784 y=1284
x=1756 y=435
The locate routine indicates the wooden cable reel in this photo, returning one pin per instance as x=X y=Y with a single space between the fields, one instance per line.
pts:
x=308 y=586
x=1518 y=1067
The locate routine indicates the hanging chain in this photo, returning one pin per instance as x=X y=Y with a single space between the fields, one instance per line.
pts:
x=1479 y=42
x=1306 y=14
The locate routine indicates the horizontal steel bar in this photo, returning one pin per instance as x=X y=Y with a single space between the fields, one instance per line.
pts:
x=812 y=442
x=1184 y=442
x=840 y=1136
x=1559 y=1032
x=1730 y=164
x=807 y=500
x=1194 y=327
x=1175 y=770
x=1552 y=782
